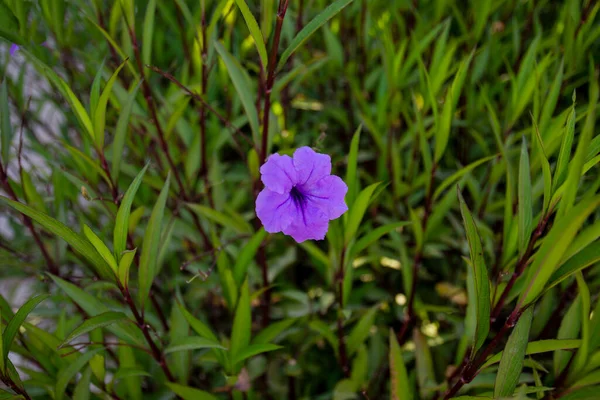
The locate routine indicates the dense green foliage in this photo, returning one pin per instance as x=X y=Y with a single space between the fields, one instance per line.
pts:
x=132 y=263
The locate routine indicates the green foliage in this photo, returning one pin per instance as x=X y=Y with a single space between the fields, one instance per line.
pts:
x=132 y=263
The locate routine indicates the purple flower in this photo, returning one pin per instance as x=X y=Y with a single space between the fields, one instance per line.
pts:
x=300 y=195
x=13 y=49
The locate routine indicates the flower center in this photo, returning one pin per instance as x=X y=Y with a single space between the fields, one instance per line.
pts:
x=297 y=196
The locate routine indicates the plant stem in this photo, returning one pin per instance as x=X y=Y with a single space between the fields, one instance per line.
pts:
x=520 y=267
x=471 y=369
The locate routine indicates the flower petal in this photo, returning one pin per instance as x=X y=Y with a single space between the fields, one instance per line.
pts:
x=275 y=210
x=311 y=223
x=328 y=194
x=311 y=166
x=13 y=49
x=278 y=173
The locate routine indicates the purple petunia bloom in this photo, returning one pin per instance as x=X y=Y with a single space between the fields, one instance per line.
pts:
x=300 y=195
x=13 y=49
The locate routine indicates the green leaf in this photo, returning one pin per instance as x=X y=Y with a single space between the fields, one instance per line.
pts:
x=361 y=331
x=188 y=393
x=150 y=245
x=9 y=24
x=122 y=220
x=75 y=240
x=577 y=163
x=198 y=326
x=459 y=174
x=6 y=132
x=259 y=41
x=99 y=321
x=310 y=28
x=547 y=174
x=240 y=332
x=565 y=150
x=373 y=236
x=192 y=343
x=253 y=350
x=351 y=175
x=482 y=283
x=123 y=373
x=246 y=256
x=82 y=390
x=65 y=375
x=16 y=321
x=148 y=32
x=540 y=346
x=94 y=306
x=524 y=199
x=269 y=334
x=554 y=246
x=100 y=114
x=581 y=357
x=569 y=328
x=121 y=131
x=357 y=211
x=237 y=224
x=124 y=266
x=513 y=357
x=95 y=91
x=63 y=87
x=100 y=247
x=400 y=385
x=589 y=256
x=241 y=82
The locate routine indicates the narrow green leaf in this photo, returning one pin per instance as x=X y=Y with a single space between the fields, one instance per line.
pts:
x=241 y=82
x=259 y=41
x=192 y=343
x=100 y=247
x=9 y=24
x=351 y=175
x=551 y=99
x=400 y=385
x=373 y=236
x=554 y=246
x=246 y=256
x=63 y=87
x=581 y=357
x=100 y=114
x=482 y=283
x=357 y=211
x=459 y=174
x=94 y=306
x=310 y=28
x=148 y=32
x=589 y=256
x=65 y=375
x=540 y=346
x=577 y=163
x=547 y=174
x=188 y=393
x=124 y=266
x=95 y=91
x=524 y=199
x=198 y=326
x=6 y=132
x=269 y=334
x=513 y=357
x=564 y=155
x=240 y=332
x=75 y=240
x=569 y=328
x=121 y=131
x=99 y=321
x=361 y=331
x=122 y=220
x=150 y=245
x=16 y=321
x=237 y=224
x=253 y=350
x=82 y=390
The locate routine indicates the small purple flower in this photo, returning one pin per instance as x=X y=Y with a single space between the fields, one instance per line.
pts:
x=13 y=49
x=300 y=195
